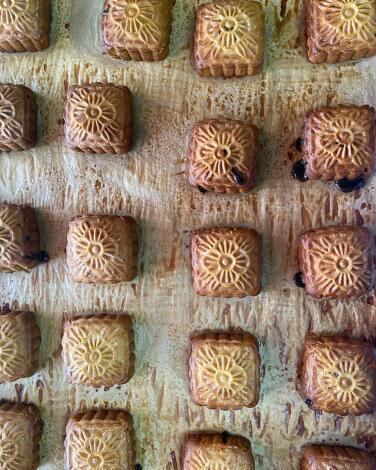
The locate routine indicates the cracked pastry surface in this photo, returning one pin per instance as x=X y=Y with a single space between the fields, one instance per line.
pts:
x=98 y=350
x=99 y=118
x=338 y=262
x=340 y=458
x=339 y=375
x=223 y=156
x=224 y=370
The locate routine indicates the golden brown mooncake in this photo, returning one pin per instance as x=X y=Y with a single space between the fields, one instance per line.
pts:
x=19 y=238
x=98 y=350
x=102 y=249
x=224 y=370
x=19 y=345
x=340 y=30
x=226 y=262
x=20 y=432
x=339 y=142
x=18 y=117
x=338 y=375
x=24 y=25
x=339 y=458
x=207 y=451
x=137 y=29
x=99 y=118
x=229 y=38
x=102 y=439
x=223 y=156
x=338 y=262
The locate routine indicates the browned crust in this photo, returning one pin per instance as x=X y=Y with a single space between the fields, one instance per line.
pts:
x=128 y=269
x=97 y=143
x=25 y=114
x=140 y=51
x=309 y=385
x=227 y=339
x=343 y=171
x=247 y=234
x=223 y=185
x=199 y=443
x=330 y=54
x=336 y=455
x=105 y=420
x=125 y=322
x=30 y=414
x=223 y=67
x=15 y=41
x=309 y=272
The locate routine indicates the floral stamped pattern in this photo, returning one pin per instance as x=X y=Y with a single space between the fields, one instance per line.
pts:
x=10 y=127
x=17 y=16
x=12 y=437
x=9 y=247
x=11 y=344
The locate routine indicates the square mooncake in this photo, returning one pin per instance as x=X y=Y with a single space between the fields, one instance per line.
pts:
x=137 y=29
x=229 y=38
x=226 y=262
x=102 y=249
x=19 y=238
x=224 y=371
x=340 y=30
x=18 y=118
x=99 y=118
x=339 y=458
x=19 y=345
x=338 y=375
x=338 y=262
x=100 y=440
x=98 y=350
x=339 y=142
x=223 y=156
x=20 y=432
x=24 y=25
x=218 y=451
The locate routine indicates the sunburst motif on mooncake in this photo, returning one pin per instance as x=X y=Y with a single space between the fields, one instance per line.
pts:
x=229 y=38
x=340 y=30
x=211 y=451
x=24 y=25
x=338 y=262
x=102 y=249
x=339 y=375
x=223 y=156
x=224 y=371
x=100 y=440
x=137 y=29
x=336 y=458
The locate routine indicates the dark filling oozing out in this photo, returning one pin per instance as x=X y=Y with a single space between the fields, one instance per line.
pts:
x=41 y=256
x=308 y=402
x=238 y=177
x=225 y=436
x=299 y=279
x=298 y=171
x=347 y=186
x=202 y=190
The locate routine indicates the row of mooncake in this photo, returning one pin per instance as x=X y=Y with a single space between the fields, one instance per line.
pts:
x=105 y=440
x=228 y=39
x=337 y=143
x=336 y=262
x=337 y=375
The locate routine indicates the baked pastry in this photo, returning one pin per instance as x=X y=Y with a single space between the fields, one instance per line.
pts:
x=226 y=262
x=98 y=350
x=224 y=370
x=338 y=262
x=20 y=432
x=339 y=30
x=19 y=239
x=98 y=118
x=137 y=29
x=18 y=118
x=19 y=345
x=25 y=25
x=338 y=143
x=102 y=249
x=338 y=375
x=338 y=458
x=229 y=38
x=223 y=156
x=218 y=451
x=100 y=440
